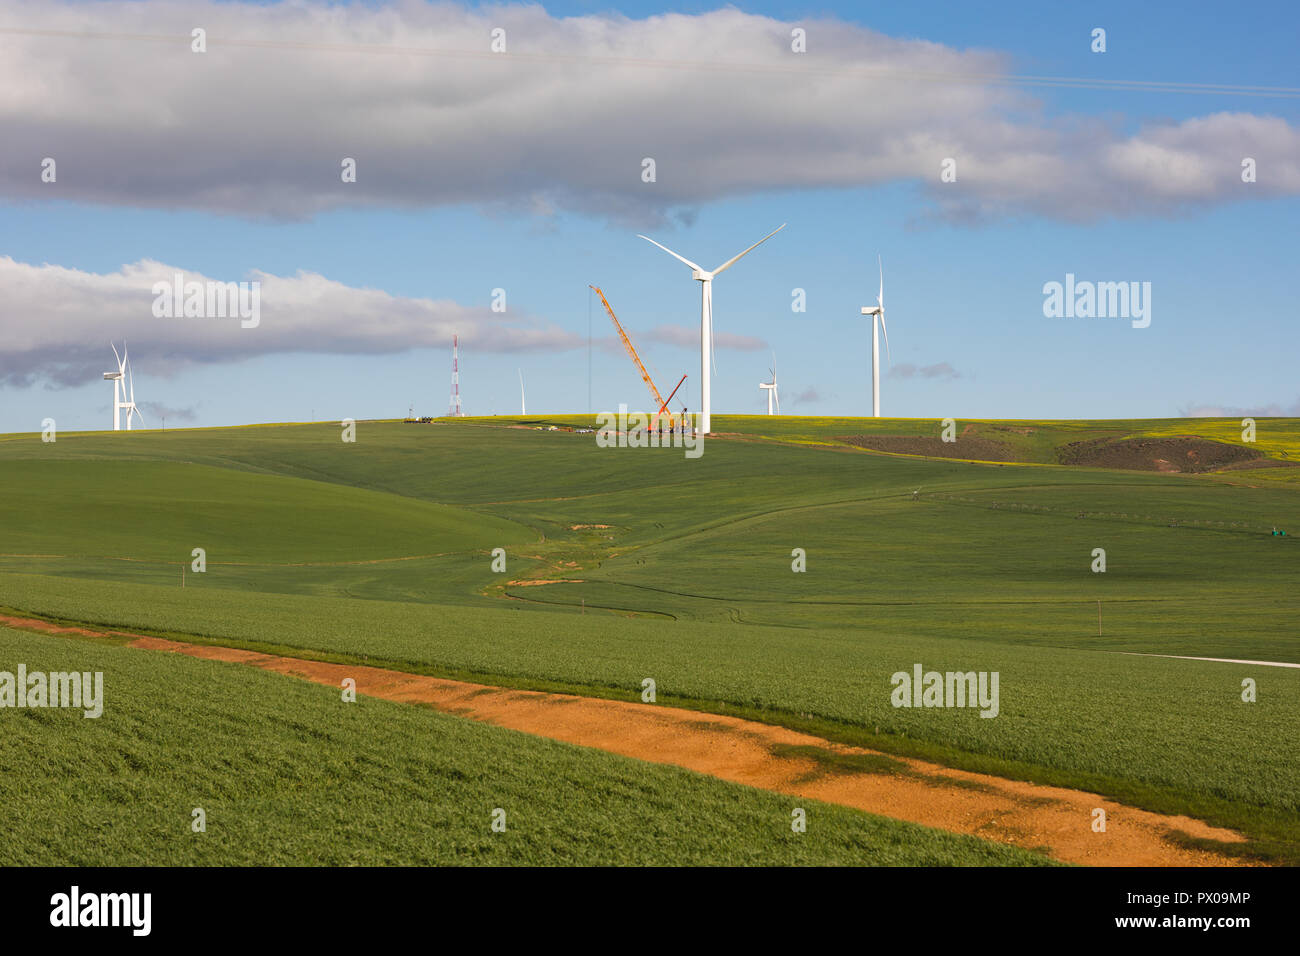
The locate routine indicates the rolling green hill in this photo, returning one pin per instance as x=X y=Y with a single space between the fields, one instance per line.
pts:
x=287 y=774
x=627 y=563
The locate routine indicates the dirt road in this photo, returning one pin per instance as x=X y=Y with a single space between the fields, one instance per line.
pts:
x=1055 y=820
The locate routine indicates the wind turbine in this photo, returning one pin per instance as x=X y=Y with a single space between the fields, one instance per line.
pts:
x=705 y=278
x=128 y=406
x=120 y=379
x=877 y=312
x=523 y=408
x=116 y=379
x=771 y=389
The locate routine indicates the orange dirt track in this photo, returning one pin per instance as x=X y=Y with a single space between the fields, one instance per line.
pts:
x=1055 y=820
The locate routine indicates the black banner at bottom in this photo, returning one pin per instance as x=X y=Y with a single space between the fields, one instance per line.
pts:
x=333 y=905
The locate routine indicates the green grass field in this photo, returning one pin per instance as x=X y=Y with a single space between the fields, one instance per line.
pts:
x=288 y=774
x=680 y=570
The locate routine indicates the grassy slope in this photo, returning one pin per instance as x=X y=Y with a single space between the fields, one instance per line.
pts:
x=946 y=580
x=159 y=510
x=1035 y=441
x=1097 y=719
x=763 y=499
x=288 y=774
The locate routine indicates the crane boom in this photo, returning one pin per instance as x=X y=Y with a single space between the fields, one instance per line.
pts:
x=664 y=406
x=660 y=403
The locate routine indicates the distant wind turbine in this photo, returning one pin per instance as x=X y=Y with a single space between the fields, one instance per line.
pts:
x=705 y=278
x=120 y=380
x=771 y=389
x=523 y=407
x=116 y=379
x=877 y=312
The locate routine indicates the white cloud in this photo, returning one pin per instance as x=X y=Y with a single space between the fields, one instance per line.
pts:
x=563 y=120
x=157 y=411
x=689 y=337
x=942 y=370
x=1231 y=411
x=57 y=322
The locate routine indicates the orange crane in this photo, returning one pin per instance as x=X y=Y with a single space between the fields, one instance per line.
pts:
x=662 y=403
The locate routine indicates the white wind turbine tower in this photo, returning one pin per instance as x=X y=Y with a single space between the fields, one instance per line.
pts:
x=771 y=389
x=120 y=380
x=705 y=278
x=523 y=407
x=116 y=379
x=877 y=312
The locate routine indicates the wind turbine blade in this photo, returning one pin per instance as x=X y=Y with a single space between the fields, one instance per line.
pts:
x=671 y=253
x=116 y=356
x=732 y=261
x=776 y=393
x=880 y=296
x=884 y=328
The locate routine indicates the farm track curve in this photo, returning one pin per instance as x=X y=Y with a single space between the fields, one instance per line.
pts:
x=1054 y=820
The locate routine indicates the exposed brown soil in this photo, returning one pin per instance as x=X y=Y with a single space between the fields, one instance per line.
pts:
x=1187 y=454
x=785 y=761
x=1260 y=463
x=534 y=583
x=974 y=449
x=1051 y=819
x=46 y=627
x=1054 y=820
x=1183 y=455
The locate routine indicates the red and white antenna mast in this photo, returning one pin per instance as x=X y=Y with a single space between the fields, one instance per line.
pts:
x=455 y=410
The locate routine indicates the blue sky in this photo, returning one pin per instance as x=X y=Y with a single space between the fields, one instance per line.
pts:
x=963 y=298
